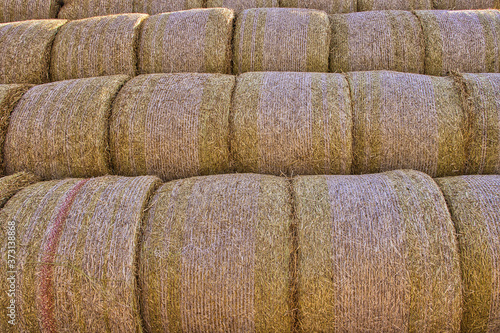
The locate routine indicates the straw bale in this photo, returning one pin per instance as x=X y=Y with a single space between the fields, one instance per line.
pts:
x=329 y=6
x=77 y=242
x=464 y=41
x=22 y=10
x=367 y=5
x=162 y=6
x=197 y=40
x=377 y=253
x=390 y=40
x=281 y=39
x=407 y=121
x=96 y=46
x=292 y=123
x=61 y=129
x=466 y=4
x=172 y=125
x=239 y=5
x=26 y=47
x=10 y=185
x=215 y=255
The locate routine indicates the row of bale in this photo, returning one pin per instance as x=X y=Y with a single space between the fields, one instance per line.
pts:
x=388 y=252
x=266 y=39
x=280 y=123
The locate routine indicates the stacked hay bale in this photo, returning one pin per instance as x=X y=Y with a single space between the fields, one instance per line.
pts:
x=10 y=185
x=292 y=123
x=239 y=5
x=474 y=203
x=76 y=254
x=153 y=7
x=407 y=121
x=172 y=125
x=377 y=253
x=21 y=10
x=465 y=41
x=466 y=4
x=367 y=5
x=390 y=40
x=25 y=56
x=329 y=6
x=96 y=46
x=60 y=129
x=215 y=255
x=281 y=39
x=197 y=40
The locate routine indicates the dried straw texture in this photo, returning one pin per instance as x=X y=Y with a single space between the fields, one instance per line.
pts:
x=367 y=5
x=172 y=125
x=197 y=40
x=10 y=185
x=26 y=46
x=407 y=121
x=162 y=6
x=390 y=40
x=77 y=242
x=474 y=203
x=465 y=41
x=292 y=123
x=329 y=6
x=215 y=256
x=281 y=39
x=466 y=4
x=377 y=253
x=22 y=10
x=61 y=129
x=96 y=47
x=239 y=5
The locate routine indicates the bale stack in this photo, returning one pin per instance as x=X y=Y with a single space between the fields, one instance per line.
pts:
x=96 y=46
x=60 y=129
x=153 y=7
x=172 y=125
x=466 y=4
x=215 y=256
x=76 y=253
x=464 y=41
x=10 y=185
x=377 y=253
x=407 y=121
x=390 y=40
x=281 y=39
x=22 y=10
x=25 y=56
x=197 y=40
x=239 y=5
x=474 y=203
x=292 y=123
x=329 y=6
x=368 y=5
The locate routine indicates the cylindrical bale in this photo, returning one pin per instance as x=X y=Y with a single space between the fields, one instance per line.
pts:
x=292 y=123
x=464 y=41
x=22 y=10
x=172 y=125
x=197 y=40
x=367 y=5
x=215 y=256
x=390 y=40
x=96 y=46
x=26 y=46
x=61 y=129
x=377 y=253
x=474 y=203
x=281 y=39
x=407 y=121
x=153 y=7
x=239 y=5
x=329 y=6
x=76 y=244
x=10 y=185
x=466 y=4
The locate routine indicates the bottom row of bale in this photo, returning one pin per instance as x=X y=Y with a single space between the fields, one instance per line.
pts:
x=248 y=252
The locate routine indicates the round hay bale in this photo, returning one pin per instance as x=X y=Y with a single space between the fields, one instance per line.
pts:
x=466 y=4
x=61 y=129
x=215 y=256
x=463 y=41
x=292 y=123
x=390 y=40
x=197 y=40
x=367 y=5
x=474 y=203
x=329 y=6
x=172 y=125
x=377 y=253
x=161 y=6
x=22 y=10
x=76 y=246
x=25 y=56
x=239 y=5
x=281 y=39
x=10 y=185
x=96 y=46
x=407 y=121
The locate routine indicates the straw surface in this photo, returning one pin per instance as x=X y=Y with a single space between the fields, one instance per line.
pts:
x=172 y=125
x=26 y=46
x=196 y=40
x=407 y=121
x=60 y=129
x=390 y=40
x=10 y=185
x=281 y=39
x=97 y=46
x=474 y=203
x=377 y=253
x=215 y=256
x=466 y=4
x=366 y=5
x=292 y=123
x=22 y=10
x=76 y=253
x=329 y=6
x=239 y=5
